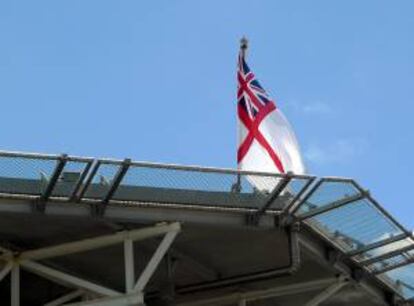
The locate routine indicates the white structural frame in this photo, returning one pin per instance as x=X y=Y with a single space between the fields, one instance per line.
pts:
x=134 y=288
x=243 y=298
x=328 y=292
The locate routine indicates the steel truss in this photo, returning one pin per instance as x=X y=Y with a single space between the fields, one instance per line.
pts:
x=91 y=293
x=243 y=298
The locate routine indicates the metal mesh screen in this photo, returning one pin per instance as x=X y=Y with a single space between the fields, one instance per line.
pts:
x=178 y=185
x=24 y=174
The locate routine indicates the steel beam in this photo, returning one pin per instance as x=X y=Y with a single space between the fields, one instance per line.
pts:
x=393 y=267
x=315 y=187
x=255 y=295
x=144 y=212
x=154 y=261
x=67 y=279
x=99 y=242
x=326 y=294
x=275 y=193
x=377 y=244
x=135 y=299
x=316 y=250
x=388 y=255
x=289 y=207
x=65 y=298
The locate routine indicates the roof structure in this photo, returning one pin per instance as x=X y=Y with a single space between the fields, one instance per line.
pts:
x=85 y=231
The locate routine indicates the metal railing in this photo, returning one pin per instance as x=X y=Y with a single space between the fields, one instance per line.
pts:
x=338 y=209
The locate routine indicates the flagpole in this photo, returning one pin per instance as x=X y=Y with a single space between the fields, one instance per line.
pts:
x=244 y=43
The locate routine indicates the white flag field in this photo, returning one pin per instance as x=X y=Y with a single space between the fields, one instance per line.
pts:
x=267 y=142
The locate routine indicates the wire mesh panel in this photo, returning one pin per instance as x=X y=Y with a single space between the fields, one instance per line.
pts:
x=25 y=174
x=32 y=174
x=191 y=185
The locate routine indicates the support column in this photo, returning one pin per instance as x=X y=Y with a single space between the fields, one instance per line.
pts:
x=15 y=285
x=129 y=265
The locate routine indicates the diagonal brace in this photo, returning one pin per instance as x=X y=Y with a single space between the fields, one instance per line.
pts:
x=67 y=279
x=155 y=261
x=327 y=293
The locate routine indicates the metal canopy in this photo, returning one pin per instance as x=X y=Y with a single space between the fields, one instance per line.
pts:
x=338 y=210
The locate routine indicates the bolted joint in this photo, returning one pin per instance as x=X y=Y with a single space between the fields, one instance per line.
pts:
x=252 y=219
x=333 y=256
x=357 y=274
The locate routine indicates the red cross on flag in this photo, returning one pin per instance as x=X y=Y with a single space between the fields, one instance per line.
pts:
x=266 y=140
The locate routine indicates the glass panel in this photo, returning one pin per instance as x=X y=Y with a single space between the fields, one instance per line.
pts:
x=327 y=193
x=354 y=225
x=102 y=181
x=401 y=280
x=187 y=186
x=69 y=178
x=25 y=175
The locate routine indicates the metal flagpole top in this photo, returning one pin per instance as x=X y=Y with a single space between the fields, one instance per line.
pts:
x=244 y=43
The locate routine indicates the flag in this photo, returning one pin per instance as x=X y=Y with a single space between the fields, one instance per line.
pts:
x=267 y=142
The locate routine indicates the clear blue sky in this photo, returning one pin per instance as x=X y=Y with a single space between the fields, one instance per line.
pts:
x=155 y=80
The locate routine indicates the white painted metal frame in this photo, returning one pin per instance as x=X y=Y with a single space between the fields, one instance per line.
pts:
x=134 y=289
x=244 y=297
x=327 y=293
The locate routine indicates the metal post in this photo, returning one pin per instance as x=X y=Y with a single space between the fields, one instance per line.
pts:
x=129 y=265
x=55 y=177
x=15 y=285
x=99 y=209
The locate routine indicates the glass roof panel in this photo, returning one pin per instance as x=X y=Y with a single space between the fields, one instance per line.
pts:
x=401 y=280
x=354 y=225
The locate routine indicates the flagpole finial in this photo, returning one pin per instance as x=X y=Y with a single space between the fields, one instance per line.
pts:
x=244 y=43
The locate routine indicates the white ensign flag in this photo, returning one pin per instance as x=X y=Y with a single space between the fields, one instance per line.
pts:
x=267 y=142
